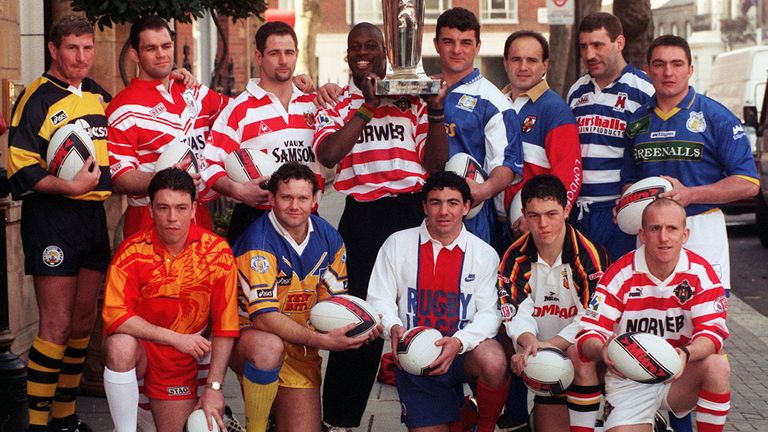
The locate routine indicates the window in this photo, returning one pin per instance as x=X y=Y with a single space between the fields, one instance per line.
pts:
x=433 y=8
x=498 y=10
x=688 y=29
x=285 y=4
x=661 y=30
x=674 y=29
x=364 y=11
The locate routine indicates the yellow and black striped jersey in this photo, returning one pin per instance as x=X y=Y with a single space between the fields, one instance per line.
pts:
x=44 y=106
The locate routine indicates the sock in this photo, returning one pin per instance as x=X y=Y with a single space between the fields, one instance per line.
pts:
x=467 y=417
x=42 y=375
x=69 y=377
x=583 y=406
x=490 y=401
x=122 y=391
x=683 y=424
x=711 y=411
x=259 y=392
x=516 y=407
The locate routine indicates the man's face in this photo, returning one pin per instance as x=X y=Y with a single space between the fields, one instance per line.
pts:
x=524 y=65
x=663 y=233
x=445 y=210
x=457 y=50
x=292 y=203
x=278 y=61
x=601 y=56
x=545 y=218
x=670 y=72
x=155 y=55
x=366 y=53
x=73 y=59
x=172 y=212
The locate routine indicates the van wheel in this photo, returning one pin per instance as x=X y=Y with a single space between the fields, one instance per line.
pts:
x=761 y=219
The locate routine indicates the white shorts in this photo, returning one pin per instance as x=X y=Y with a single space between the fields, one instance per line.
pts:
x=629 y=402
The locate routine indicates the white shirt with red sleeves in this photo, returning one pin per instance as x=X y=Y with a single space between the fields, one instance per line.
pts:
x=690 y=303
x=388 y=157
x=256 y=119
x=145 y=117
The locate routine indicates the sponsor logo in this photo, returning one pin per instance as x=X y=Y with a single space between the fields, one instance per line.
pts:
x=382 y=133
x=283 y=280
x=596 y=275
x=721 y=304
x=636 y=292
x=467 y=103
x=470 y=277
x=683 y=291
x=260 y=264
x=310 y=118
x=178 y=391
x=639 y=126
x=528 y=123
x=649 y=193
x=157 y=110
x=294 y=151
x=297 y=302
x=366 y=320
x=508 y=311
x=657 y=326
x=621 y=102
x=189 y=98
x=53 y=256
x=663 y=134
x=650 y=364
x=552 y=297
x=264 y=293
x=403 y=104
x=668 y=151
x=323 y=119
x=696 y=122
x=583 y=100
x=59 y=117
x=95 y=132
x=595 y=302
x=601 y=125
x=738 y=132
x=555 y=310
x=263 y=128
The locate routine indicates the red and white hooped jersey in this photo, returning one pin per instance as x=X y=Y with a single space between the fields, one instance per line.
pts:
x=256 y=119
x=145 y=117
x=690 y=303
x=388 y=158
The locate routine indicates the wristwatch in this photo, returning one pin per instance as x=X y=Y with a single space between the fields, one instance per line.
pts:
x=214 y=385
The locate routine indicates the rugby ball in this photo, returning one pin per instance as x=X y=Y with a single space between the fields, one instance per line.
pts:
x=416 y=349
x=177 y=153
x=548 y=373
x=467 y=167
x=341 y=310
x=516 y=208
x=244 y=165
x=196 y=422
x=68 y=149
x=644 y=357
x=633 y=201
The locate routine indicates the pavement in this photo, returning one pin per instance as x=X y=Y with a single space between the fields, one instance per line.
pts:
x=747 y=350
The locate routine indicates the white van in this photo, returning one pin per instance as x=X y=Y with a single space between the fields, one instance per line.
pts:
x=738 y=78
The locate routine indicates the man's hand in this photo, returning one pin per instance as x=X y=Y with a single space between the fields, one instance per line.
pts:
x=185 y=77
x=251 y=193
x=369 y=90
x=683 y=364
x=304 y=83
x=212 y=403
x=435 y=102
x=192 y=344
x=607 y=360
x=337 y=340
x=680 y=193
x=396 y=333
x=86 y=179
x=328 y=96
x=451 y=347
x=478 y=191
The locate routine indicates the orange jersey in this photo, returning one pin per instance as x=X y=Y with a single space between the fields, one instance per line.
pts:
x=180 y=293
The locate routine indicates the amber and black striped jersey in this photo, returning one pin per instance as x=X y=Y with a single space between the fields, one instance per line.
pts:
x=44 y=106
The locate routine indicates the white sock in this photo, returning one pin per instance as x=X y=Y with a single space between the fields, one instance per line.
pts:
x=122 y=391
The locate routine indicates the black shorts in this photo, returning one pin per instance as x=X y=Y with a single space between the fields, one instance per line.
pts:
x=62 y=235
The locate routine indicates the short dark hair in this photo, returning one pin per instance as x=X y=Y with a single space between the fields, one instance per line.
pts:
x=531 y=34
x=149 y=22
x=598 y=20
x=545 y=187
x=69 y=25
x=292 y=171
x=172 y=178
x=458 y=18
x=450 y=180
x=669 y=40
x=273 y=28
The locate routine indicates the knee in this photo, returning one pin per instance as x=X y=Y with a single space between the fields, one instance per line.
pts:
x=122 y=352
x=716 y=369
x=263 y=350
x=491 y=361
x=582 y=369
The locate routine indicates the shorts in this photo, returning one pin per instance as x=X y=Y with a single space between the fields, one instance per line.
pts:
x=171 y=374
x=628 y=402
x=431 y=400
x=301 y=367
x=60 y=236
x=709 y=239
x=138 y=218
x=595 y=220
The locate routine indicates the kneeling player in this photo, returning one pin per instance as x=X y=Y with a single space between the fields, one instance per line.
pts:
x=164 y=285
x=440 y=275
x=288 y=260
x=668 y=284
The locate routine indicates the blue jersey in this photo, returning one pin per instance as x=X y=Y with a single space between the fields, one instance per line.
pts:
x=480 y=121
x=699 y=142
x=602 y=116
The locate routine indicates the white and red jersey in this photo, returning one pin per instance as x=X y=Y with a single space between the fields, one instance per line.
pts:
x=388 y=158
x=690 y=303
x=145 y=117
x=257 y=120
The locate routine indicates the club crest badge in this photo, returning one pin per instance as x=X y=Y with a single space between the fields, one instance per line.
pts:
x=696 y=122
x=528 y=123
x=53 y=256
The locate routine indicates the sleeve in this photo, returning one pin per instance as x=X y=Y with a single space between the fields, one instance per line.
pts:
x=122 y=141
x=225 y=138
x=604 y=309
x=121 y=292
x=334 y=280
x=27 y=142
x=224 y=296
x=383 y=287
x=421 y=127
x=523 y=322
x=486 y=320
x=708 y=309
x=257 y=277
x=503 y=145
x=564 y=153
x=512 y=287
x=733 y=148
x=327 y=122
x=214 y=104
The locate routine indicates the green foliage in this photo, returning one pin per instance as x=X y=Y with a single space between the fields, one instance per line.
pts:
x=107 y=12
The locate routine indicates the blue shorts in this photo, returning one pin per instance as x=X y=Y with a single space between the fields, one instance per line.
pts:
x=597 y=224
x=431 y=400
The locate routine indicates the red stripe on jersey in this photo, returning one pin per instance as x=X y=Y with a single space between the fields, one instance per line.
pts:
x=438 y=283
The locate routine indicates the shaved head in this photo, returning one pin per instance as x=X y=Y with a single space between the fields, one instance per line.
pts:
x=664 y=203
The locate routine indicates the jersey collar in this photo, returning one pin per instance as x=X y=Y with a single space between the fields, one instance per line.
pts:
x=258 y=92
x=533 y=93
x=194 y=235
x=285 y=234
x=641 y=265
x=685 y=104
x=65 y=85
x=460 y=241
x=627 y=69
x=467 y=79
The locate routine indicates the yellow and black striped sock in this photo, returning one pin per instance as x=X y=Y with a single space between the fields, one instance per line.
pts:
x=69 y=378
x=42 y=376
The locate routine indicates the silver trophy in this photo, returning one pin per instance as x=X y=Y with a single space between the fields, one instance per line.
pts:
x=403 y=27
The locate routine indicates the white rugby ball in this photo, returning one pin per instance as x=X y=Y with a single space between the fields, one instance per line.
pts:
x=244 y=165
x=548 y=373
x=175 y=153
x=516 y=208
x=341 y=310
x=68 y=149
x=416 y=349
x=467 y=167
x=196 y=422
x=644 y=357
x=634 y=200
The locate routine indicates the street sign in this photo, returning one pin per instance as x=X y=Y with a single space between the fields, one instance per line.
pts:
x=561 y=12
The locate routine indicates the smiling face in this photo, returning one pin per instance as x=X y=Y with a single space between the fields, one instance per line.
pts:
x=663 y=233
x=172 y=212
x=155 y=55
x=524 y=64
x=670 y=73
x=366 y=53
x=457 y=50
x=71 y=61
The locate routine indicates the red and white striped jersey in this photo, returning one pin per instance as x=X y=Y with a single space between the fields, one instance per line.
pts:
x=257 y=120
x=690 y=303
x=145 y=117
x=388 y=158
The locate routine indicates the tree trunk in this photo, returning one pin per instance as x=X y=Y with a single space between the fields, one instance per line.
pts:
x=564 y=48
x=308 y=17
x=635 y=16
